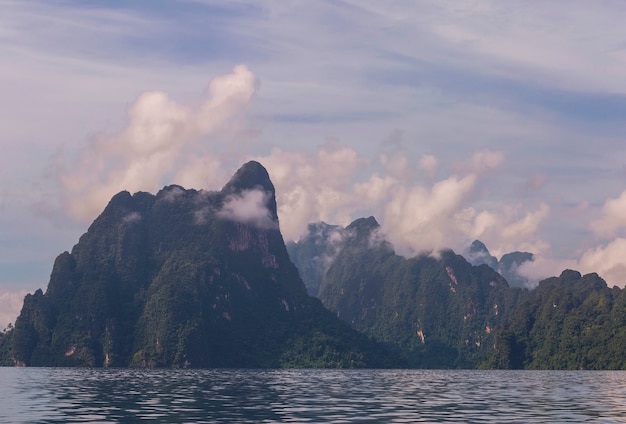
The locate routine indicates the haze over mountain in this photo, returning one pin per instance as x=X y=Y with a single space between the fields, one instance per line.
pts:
x=508 y=265
x=316 y=250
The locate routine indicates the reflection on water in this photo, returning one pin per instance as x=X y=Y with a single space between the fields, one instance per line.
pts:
x=49 y=395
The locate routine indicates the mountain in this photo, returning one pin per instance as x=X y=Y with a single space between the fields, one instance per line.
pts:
x=478 y=254
x=441 y=312
x=567 y=322
x=508 y=265
x=314 y=253
x=185 y=278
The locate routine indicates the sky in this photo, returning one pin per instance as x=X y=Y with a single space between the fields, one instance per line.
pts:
x=448 y=121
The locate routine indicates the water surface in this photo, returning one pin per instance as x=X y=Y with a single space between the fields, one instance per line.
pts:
x=60 y=395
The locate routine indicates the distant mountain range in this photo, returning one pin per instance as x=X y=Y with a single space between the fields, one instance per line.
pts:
x=188 y=278
x=315 y=251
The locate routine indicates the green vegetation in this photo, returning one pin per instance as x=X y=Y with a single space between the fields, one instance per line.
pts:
x=569 y=322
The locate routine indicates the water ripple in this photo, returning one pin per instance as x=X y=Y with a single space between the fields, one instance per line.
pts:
x=53 y=395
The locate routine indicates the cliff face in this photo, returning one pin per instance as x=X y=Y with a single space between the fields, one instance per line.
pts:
x=184 y=278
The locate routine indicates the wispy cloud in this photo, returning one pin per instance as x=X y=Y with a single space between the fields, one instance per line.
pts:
x=248 y=207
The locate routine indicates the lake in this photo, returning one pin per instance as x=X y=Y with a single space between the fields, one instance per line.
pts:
x=61 y=395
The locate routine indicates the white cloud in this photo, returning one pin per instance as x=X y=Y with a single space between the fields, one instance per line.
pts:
x=313 y=188
x=418 y=219
x=248 y=207
x=606 y=260
x=415 y=214
x=609 y=261
x=10 y=306
x=613 y=217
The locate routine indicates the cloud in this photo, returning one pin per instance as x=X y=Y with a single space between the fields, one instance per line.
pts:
x=132 y=217
x=311 y=188
x=613 y=217
x=606 y=260
x=428 y=164
x=417 y=219
x=152 y=146
x=173 y=194
x=527 y=225
x=10 y=306
x=336 y=185
x=248 y=207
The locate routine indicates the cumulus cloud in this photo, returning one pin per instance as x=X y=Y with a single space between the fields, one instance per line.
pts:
x=607 y=260
x=613 y=217
x=311 y=188
x=417 y=219
x=248 y=207
x=417 y=214
x=153 y=143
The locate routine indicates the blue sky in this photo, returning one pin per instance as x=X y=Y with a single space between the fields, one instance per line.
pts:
x=447 y=120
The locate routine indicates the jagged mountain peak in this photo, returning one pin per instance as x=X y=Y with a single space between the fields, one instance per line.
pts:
x=252 y=175
x=478 y=254
x=363 y=225
x=478 y=246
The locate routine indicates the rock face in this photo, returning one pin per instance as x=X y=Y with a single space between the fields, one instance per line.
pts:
x=184 y=278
